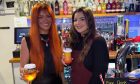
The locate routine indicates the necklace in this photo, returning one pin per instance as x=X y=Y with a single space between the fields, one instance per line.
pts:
x=45 y=40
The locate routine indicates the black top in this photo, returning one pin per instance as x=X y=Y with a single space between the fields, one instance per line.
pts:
x=48 y=60
x=95 y=63
x=49 y=75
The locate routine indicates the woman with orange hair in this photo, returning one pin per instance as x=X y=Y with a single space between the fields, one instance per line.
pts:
x=42 y=46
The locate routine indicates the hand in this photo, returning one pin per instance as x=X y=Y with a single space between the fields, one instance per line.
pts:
x=63 y=62
x=22 y=74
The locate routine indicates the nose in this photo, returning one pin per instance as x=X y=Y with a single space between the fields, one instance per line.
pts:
x=77 y=22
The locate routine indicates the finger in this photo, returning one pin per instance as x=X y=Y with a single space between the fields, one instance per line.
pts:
x=72 y=58
x=62 y=60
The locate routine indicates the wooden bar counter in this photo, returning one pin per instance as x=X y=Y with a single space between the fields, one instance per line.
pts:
x=112 y=55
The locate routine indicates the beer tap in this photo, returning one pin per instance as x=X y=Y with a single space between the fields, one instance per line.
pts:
x=126 y=49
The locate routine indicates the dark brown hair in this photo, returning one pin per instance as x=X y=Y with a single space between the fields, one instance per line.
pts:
x=90 y=35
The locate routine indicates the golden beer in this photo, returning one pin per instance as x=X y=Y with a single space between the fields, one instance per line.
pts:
x=30 y=72
x=67 y=55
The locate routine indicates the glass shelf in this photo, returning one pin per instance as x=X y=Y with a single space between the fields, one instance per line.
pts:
x=100 y=15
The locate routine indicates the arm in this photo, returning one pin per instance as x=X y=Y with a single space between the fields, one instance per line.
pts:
x=99 y=59
x=24 y=54
x=101 y=55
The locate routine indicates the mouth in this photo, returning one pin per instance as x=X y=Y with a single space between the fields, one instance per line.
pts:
x=45 y=24
x=78 y=27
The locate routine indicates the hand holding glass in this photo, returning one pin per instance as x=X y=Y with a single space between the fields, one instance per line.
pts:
x=67 y=55
x=30 y=72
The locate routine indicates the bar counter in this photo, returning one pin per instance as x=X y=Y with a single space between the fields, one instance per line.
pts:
x=112 y=55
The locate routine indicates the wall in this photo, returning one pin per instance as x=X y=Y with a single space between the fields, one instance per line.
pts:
x=6 y=48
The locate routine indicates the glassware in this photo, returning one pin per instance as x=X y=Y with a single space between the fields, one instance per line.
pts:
x=67 y=55
x=57 y=10
x=99 y=7
x=30 y=72
x=103 y=6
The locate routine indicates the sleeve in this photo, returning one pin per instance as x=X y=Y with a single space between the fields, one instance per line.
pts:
x=101 y=56
x=100 y=59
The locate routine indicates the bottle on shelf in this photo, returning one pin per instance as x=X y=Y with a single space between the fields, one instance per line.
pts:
x=118 y=6
x=108 y=7
x=131 y=6
x=74 y=5
x=114 y=6
x=89 y=4
x=57 y=11
x=103 y=6
x=82 y=3
x=61 y=7
x=94 y=7
x=70 y=7
x=65 y=7
x=99 y=7
x=122 y=6
x=52 y=5
x=126 y=2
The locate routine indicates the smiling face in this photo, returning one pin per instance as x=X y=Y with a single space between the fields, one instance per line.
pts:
x=44 y=22
x=80 y=23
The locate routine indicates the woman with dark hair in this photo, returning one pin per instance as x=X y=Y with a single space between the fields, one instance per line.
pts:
x=42 y=46
x=89 y=50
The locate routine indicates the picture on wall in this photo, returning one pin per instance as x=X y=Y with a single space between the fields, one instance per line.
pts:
x=1 y=4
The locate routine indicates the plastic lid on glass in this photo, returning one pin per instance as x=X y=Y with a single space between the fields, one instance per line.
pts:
x=29 y=66
x=67 y=50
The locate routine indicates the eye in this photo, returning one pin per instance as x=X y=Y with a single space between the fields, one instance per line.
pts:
x=75 y=20
x=48 y=16
x=40 y=17
x=82 y=19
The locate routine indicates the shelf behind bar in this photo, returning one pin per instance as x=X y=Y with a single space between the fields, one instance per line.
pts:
x=98 y=15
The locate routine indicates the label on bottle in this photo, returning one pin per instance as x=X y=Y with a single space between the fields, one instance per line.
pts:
x=56 y=10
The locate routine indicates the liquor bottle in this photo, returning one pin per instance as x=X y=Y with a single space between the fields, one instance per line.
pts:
x=57 y=12
x=126 y=2
x=52 y=5
x=65 y=7
x=99 y=7
x=94 y=7
x=103 y=6
x=89 y=4
x=108 y=7
x=74 y=5
x=70 y=7
x=114 y=6
x=82 y=3
x=122 y=6
x=118 y=6
x=131 y=6
x=61 y=7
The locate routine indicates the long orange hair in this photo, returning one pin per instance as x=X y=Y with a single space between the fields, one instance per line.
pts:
x=36 y=50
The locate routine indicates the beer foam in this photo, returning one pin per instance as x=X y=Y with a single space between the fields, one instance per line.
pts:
x=29 y=66
x=67 y=50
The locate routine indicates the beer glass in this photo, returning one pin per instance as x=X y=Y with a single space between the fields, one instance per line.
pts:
x=30 y=72
x=67 y=55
